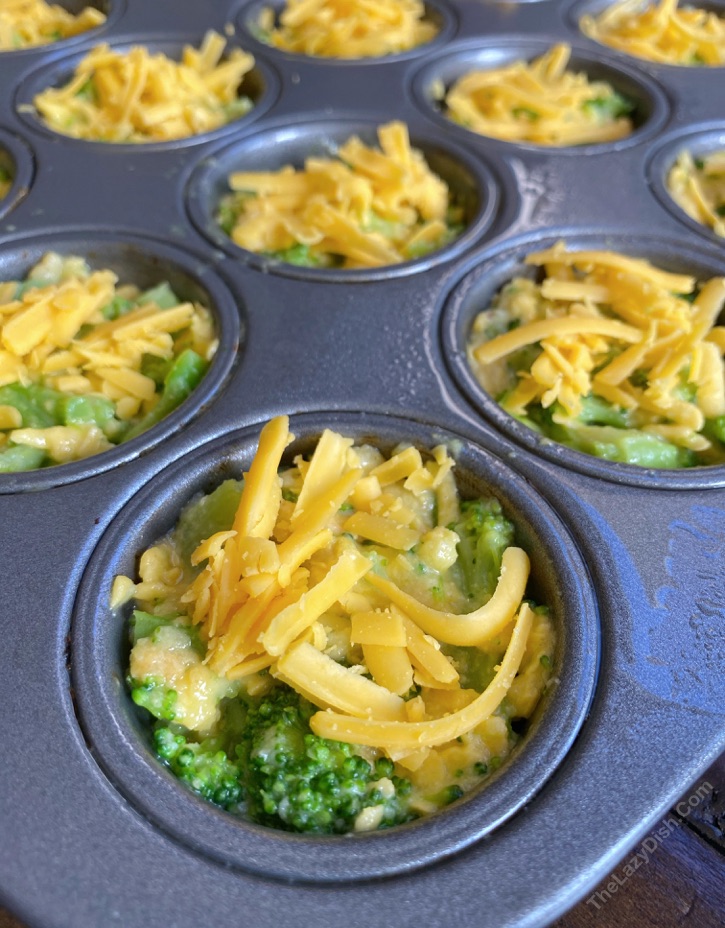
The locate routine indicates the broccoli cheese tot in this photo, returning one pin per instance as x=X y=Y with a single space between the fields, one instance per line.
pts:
x=86 y=363
x=660 y=32
x=368 y=207
x=136 y=96
x=697 y=185
x=540 y=102
x=343 y=644
x=27 y=23
x=609 y=355
x=347 y=28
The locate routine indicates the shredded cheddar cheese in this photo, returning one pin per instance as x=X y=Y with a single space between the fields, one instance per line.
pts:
x=660 y=32
x=27 y=23
x=540 y=102
x=75 y=350
x=320 y=594
x=367 y=208
x=348 y=28
x=697 y=185
x=645 y=342
x=137 y=96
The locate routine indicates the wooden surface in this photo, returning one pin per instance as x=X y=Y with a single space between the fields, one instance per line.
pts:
x=678 y=876
x=674 y=877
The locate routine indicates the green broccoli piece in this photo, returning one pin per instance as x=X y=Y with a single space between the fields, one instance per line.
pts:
x=203 y=517
x=299 y=255
x=36 y=404
x=628 y=446
x=525 y=112
x=17 y=458
x=715 y=429
x=183 y=377
x=118 y=306
x=603 y=434
x=597 y=411
x=161 y=295
x=152 y=694
x=476 y=668
x=299 y=782
x=6 y=179
x=145 y=625
x=231 y=207
x=235 y=109
x=156 y=368
x=203 y=766
x=87 y=91
x=609 y=107
x=484 y=533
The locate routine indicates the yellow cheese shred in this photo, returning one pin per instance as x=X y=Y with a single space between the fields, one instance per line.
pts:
x=137 y=96
x=539 y=102
x=613 y=326
x=327 y=683
x=478 y=626
x=53 y=333
x=369 y=207
x=29 y=23
x=697 y=185
x=348 y=28
x=661 y=32
x=409 y=736
x=286 y=593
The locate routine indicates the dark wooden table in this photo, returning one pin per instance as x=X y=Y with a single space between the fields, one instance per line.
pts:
x=675 y=877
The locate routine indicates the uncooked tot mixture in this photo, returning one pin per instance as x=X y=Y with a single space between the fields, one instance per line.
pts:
x=341 y=644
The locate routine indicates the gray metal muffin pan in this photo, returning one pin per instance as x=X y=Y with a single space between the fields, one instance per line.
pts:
x=95 y=832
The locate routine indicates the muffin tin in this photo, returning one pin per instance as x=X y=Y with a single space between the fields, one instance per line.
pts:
x=632 y=560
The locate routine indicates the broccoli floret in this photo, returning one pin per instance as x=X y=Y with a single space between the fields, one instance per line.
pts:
x=299 y=782
x=152 y=694
x=484 y=534
x=203 y=766
x=609 y=107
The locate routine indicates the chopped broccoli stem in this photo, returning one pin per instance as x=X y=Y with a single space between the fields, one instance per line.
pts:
x=300 y=255
x=184 y=375
x=715 y=429
x=211 y=513
x=76 y=410
x=628 y=446
x=235 y=109
x=609 y=438
x=35 y=404
x=87 y=91
x=446 y=796
x=156 y=368
x=118 y=306
x=18 y=458
x=162 y=295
